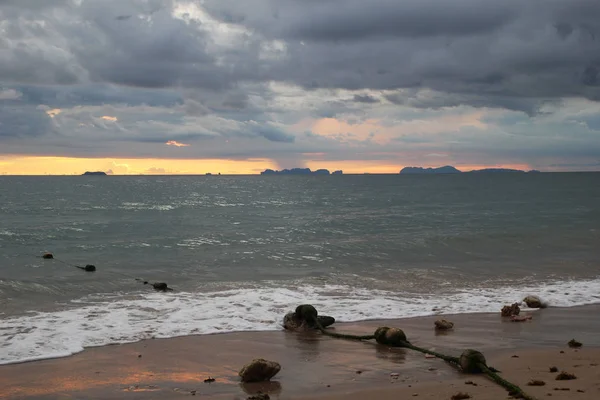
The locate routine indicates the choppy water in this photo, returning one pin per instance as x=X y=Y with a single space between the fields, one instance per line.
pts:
x=241 y=251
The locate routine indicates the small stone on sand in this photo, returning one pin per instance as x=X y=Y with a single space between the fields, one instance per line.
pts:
x=565 y=376
x=536 y=382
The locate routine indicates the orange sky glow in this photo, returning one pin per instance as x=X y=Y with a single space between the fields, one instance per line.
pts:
x=37 y=165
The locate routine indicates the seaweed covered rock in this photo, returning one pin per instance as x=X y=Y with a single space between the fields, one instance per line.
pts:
x=394 y=337
x=470 y=361
x=307 y=312
x=259 y=370
x=534 y=302
x=443 y=325
x=509 y=311
x=292 y=321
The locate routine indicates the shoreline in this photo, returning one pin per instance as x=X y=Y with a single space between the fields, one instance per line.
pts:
x=170 y=368
x=353 y=327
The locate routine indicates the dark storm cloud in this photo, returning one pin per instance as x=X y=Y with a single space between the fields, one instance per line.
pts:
x=365 y=98
x=339 y=20
x=96 y=94
x=475 y=48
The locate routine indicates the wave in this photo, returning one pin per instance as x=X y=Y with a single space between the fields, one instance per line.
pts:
x=100 y=320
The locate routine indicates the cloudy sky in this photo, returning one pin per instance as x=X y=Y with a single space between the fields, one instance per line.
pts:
x=237 y=86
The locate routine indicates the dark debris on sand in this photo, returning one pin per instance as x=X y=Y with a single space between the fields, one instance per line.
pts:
x=536 y=382
x=460 y=396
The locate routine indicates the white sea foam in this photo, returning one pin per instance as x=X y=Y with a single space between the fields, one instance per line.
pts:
x=101 y=320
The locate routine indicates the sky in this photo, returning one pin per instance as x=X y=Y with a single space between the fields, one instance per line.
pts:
x=230 y=86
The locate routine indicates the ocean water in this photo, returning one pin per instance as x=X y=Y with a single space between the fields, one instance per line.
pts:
x=240 y=252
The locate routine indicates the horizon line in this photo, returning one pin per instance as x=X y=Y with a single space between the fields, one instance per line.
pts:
x=259 y=174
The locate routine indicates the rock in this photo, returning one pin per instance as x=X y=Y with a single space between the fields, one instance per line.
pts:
x=209 y=380
x=470 y=361
x=520 y=318
x=259 y=370
x=553 y=369
x=534 y=302
x=161 y=286
x=574 y=344
x=394 y=337
x=509 y=311
x=293 y=322
x=565 y=376
x=90 y=268
x=48 y=256
x=326 y=321
x=443 y=325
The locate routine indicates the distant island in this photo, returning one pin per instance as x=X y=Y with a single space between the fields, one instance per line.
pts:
x=300 y=171
x=448 y=169
x=94 y=173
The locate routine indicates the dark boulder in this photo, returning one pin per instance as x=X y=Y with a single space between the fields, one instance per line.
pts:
x=293 y=322
x=161 y=286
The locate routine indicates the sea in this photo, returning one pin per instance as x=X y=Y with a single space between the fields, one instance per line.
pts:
x=241 y=251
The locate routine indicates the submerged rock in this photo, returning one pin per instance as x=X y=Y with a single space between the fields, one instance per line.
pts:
x=293 y=322
x=161 y=286
x=534 y=302
x=259 y=370
x=443 y=325
x=509 y=311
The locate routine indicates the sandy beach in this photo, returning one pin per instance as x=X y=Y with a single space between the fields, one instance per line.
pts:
x=318 y=367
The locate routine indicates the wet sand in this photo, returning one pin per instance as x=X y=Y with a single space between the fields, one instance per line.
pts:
x=318 y=367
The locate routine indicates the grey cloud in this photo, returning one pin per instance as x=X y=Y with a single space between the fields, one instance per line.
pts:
x=338 y=20
x=436 y=100
x=10 y=94
x=266 y=131
x=23 y=122
x=365 y=98
x=96 y=94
